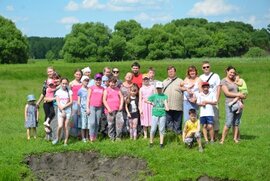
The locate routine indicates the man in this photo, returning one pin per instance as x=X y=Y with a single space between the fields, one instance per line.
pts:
x=137 y=76
x=175 y=101
x=115 y=73
x=214 y=82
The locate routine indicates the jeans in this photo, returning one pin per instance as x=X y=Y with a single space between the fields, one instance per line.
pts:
x=174 y=121
x=94 y=119
x=115 y=124
x=231 y=117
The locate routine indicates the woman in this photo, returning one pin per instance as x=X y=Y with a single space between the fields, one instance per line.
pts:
x=190 y=87
x=230 y=91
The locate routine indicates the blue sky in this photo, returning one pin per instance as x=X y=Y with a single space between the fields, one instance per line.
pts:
x=54 y=18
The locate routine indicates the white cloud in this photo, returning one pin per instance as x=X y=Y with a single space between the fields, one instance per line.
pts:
x=72 y=6
x=211 y=7
x=92 y=4
x=143 y=17
x=69 y=20
x=10 y=8
x=20 y=19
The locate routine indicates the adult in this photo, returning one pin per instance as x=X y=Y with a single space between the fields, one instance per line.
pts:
x=175 y=101
x=190 y=87
x=214 y=82
x=115 y=73
x=230 y=91
x=75 y=85
x=137 y=76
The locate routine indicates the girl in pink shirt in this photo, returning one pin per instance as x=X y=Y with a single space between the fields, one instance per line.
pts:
x=113 y=102
x=75 y=85
x=94 y=106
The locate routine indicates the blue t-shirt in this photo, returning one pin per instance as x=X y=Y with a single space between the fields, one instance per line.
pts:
x=82 y=93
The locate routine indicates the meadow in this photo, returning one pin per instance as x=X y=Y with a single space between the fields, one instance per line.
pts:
x=248 y=160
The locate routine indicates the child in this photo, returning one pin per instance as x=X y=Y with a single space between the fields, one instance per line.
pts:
x=191 y=130
x=64 y=103
x=82 y=102
x=48 y=102
x=145 y=109
x=75 y=85
x=132 y=110
x=237 y=103
x=94 y=107
x=31 y=116
x=160 y=105
x=206 y=100
x=113 y=102
x=151 y=76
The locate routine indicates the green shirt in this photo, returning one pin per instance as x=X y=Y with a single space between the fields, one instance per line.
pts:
x=158 y=104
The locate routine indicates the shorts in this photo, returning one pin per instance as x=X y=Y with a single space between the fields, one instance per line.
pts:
x=64 y=113
x=190 y=140
x=207 y=120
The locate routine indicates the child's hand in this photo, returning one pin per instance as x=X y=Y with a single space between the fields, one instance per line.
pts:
x=129 y=115
x=87 y=111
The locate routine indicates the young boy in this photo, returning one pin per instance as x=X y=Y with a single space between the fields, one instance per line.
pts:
x=206 y=100
x=191 y=130
x=160 y=105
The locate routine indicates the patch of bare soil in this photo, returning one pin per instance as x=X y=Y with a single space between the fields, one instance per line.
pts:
x=86 y=166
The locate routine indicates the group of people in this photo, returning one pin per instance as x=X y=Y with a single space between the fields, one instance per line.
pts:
x=138 y=105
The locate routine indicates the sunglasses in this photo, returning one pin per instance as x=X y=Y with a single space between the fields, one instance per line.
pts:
x=115 y=71
x=206 y=67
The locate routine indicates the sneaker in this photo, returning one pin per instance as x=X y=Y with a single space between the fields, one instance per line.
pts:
x=206 y=142
x=46 y=124
x=54 y=141
x=161 y=146
x=212 y=142
x=200 y=149
x=118 y=139
x=84 y=140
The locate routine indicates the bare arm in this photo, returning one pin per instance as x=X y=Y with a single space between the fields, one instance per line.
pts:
x=41 y=97
x=105 y=101
x=88 y=101
x=126 y=107
x=121 y=100
x=25 y=112
x=140 y=102
x=70 y=101
x=231 y=94
x=37 y=115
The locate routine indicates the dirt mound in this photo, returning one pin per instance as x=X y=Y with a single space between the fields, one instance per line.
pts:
x=86 y=166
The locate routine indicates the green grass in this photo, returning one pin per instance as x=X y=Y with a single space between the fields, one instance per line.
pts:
x=248 y=160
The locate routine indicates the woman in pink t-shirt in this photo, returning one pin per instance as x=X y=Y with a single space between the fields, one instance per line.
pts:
x=94 y=106
x=113 y=102
x=75 y=85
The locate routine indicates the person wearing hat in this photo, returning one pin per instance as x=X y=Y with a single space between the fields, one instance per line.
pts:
x=206 y=100
x=82 y=102
x=31 y=116
x=160 y=106
x=145 y=109
x=94 y=108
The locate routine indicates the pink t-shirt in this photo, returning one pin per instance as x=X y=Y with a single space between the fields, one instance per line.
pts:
x=96 y=96
x=113 y=99
x=50 y=92
x=75 y=89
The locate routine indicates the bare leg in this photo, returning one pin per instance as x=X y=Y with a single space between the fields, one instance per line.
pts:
x=211 y=132
x=67 y=131
x=224 y=134
x=145 y=132
x=35 y=133
x=28 y=133
x=235 y=138
x=161 y=139
x=205 y=133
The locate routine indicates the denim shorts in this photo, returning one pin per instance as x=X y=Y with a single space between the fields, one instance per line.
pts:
x=232 y=118
x=207 y=120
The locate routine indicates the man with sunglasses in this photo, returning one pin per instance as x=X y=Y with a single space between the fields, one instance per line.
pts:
x=214 y=82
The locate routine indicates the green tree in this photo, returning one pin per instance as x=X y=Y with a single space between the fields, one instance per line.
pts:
x=127 y=29
x=255 y=52
x=86 y=41
x=13 y=45
x=50 y=56
x=261 y=38
x=117 y=48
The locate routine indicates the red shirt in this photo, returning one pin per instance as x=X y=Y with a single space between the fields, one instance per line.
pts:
x=137 y=80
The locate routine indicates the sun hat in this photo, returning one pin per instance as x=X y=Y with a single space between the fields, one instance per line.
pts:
x=50 y=81
x=86 y=69
x=145 y=76
x=159 y=85
x=31 y=97
x=84 y=77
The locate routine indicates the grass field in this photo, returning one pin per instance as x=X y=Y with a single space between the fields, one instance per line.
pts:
x=248 y=160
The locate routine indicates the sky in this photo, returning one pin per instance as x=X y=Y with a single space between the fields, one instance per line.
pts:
x=54 y=18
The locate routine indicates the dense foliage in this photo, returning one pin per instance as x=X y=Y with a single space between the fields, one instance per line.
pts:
x=39 y=47
x=13 y=45
x=182 y=38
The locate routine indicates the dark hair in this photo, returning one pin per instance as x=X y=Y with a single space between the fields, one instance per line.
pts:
x=56 y=75
x=113 y=79
x=78 y=70
x=151 y=69
x=64 y=78
x=229 y=68
x=135 y=64
x=192 y=111
x=171 y=67
x=191 y=67
x=205 y=62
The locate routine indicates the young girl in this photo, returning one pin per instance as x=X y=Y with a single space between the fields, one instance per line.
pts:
x=94 y=107
x=145 y=109
x=132 y=110
x=160 y=105
x=48 y=102
x=75 y=85
x=64 y=102
x=82 y=102
x=31 y=116
x=113 y=102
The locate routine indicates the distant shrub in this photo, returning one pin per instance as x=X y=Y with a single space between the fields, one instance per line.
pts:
x=255 y=52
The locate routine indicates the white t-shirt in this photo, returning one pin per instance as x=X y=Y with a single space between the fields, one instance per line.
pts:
x=206 y=110
x=214 y=81
x=64 y=96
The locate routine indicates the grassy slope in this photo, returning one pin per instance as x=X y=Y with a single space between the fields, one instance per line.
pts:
x=248 y=160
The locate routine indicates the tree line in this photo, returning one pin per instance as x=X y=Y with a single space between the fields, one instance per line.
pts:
x=181 y=38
